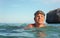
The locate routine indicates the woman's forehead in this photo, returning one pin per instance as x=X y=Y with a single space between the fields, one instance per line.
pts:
x=39 y=15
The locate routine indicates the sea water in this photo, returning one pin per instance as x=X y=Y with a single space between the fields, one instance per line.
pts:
x=16 y=30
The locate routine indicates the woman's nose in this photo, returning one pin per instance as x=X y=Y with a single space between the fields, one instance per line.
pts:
x=39 y=17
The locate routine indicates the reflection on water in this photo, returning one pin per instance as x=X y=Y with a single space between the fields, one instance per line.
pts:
x=39 y=33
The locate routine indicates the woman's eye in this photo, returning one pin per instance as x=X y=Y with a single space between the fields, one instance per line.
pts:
x=41 y=16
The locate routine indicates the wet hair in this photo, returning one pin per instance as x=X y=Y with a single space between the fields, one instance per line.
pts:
x=39 y=12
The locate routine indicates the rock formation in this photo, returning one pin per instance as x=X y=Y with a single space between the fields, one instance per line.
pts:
x=53 y=16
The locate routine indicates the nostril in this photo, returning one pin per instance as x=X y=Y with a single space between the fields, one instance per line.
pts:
x=39 y=17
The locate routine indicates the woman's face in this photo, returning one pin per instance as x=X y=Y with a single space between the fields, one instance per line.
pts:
x=39 y=18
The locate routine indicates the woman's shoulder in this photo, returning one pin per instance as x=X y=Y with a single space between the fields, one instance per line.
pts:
x=31 y=25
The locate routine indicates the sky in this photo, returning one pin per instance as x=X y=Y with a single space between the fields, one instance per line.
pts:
x=22 y=11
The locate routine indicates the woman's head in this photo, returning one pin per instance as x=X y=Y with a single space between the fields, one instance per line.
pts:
x=39 y=16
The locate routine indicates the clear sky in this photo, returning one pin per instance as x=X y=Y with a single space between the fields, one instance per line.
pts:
x=22 y=11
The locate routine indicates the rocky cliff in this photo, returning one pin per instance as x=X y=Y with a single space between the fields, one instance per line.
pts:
x=53 y=16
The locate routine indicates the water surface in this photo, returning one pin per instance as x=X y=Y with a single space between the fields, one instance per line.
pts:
x=17 y=31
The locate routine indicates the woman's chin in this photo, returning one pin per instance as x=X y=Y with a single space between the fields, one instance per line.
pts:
x=40 y=22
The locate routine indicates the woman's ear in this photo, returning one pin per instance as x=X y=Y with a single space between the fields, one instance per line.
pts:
x=34 y=18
